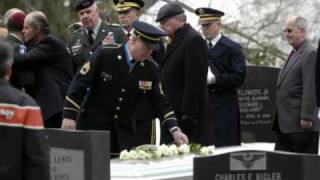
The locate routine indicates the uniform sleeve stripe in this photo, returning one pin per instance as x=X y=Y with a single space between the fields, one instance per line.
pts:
x=71 y=109
x=168 y=114
x=72 y=102
x=168 y=119
x=18 y=116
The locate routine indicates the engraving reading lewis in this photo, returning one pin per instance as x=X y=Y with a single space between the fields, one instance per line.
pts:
x=66 y=164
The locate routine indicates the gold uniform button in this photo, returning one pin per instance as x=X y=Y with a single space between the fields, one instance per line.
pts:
x=117 y=108
x=120 y=99
x=123 y=90
x=115 y=116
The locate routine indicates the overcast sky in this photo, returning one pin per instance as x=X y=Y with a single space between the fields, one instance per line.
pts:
x=223 y=5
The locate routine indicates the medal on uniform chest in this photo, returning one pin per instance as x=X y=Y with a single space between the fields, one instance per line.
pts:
x=145 y=85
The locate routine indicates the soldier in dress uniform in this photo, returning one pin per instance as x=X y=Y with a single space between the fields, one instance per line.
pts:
x=226 y=72
x=129 y=12
x=117 y=76
x=83 y=42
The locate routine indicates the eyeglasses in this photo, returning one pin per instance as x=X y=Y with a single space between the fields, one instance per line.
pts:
x=287 y=30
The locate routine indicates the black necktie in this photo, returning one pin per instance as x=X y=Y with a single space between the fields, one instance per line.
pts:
x=90 y=36
x=210 y=44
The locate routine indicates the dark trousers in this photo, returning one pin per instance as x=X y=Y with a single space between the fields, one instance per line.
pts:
x=145 y=132
x=302 y=142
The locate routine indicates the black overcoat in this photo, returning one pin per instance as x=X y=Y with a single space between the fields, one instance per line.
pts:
x=183 y=80
x=227 y=63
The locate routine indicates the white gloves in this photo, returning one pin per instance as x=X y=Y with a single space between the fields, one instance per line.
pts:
x=211 y=78
x=319 y=114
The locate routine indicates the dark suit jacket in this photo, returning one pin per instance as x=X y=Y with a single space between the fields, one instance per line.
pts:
x=227 y=62
x=296 y=91
x=184 y=80
x=53 y=72
x=22 y=75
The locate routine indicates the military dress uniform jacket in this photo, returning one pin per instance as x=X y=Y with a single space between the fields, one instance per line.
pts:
x=22 y=76
x=80 y=48
x=24 y=151
x=227 y=63
x=184 y=81
x=53 y=73
x=113 y=93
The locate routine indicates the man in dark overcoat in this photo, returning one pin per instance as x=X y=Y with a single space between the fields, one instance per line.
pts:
x=184 y=72
x=226 y=72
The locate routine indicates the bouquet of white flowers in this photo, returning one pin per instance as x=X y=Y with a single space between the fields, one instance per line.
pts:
x=145 y=152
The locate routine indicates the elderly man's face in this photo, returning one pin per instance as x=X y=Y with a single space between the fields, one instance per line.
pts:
x=169 y=25
x=126 y=18
x=29 y=32
x=139 y=49
x=294 y=35
x=211 y=30
x=89 y=17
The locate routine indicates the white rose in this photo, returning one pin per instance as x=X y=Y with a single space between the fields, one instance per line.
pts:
x=124 y=155
x=148 y=155
x=142 y=154
x=167 y=152
x=157 y=154
x=163 y=148
x=184 y=149
x=133 y=154
x=204 y=151
x=174 y=150
x=211 y=149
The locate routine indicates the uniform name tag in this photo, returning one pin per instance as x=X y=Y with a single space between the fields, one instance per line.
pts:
x=145 y=85
x=105 y=76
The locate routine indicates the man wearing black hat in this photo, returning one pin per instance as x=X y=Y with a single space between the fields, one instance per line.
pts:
x=184 y=72
x=83 y=42
x=117 y=77
x=226 y=72
x=129 y=12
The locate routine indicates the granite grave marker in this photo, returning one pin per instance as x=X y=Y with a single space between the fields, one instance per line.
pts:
x=257 y=104
x=79 y=155
x=257 y=165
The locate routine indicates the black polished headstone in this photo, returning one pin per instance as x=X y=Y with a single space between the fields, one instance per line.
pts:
x=257 y=98
x=257 y=165
x=79 y=155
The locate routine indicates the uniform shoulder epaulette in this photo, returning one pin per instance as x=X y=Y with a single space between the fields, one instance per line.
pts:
x=113 y=24
x=112 y=46
x=76 y=31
